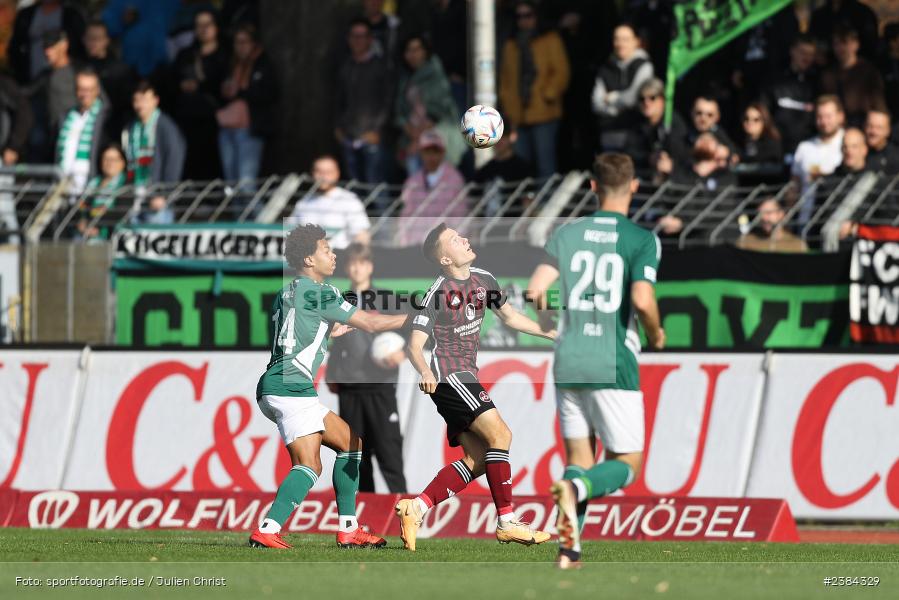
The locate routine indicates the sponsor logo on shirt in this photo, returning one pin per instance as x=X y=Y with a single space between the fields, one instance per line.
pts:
x=469 y=312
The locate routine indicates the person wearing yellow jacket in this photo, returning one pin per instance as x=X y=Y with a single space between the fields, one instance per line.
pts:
x=534 y=75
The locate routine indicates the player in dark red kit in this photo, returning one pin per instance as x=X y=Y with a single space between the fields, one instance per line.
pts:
x=451 y=313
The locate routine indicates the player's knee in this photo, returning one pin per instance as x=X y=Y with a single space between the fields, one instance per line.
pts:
x=355 y=442
x=476 y=464
x=502 y=438
x=315 y=465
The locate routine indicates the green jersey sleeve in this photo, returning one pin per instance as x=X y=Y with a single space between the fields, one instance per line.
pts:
x=645 y=264
x=551 y=250
x=332 y=306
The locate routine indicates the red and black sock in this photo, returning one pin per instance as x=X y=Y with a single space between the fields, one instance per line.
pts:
x=499 y=476
x=450 y=480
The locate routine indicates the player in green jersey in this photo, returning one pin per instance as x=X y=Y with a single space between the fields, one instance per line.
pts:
x=305 y=314
x=606 y=267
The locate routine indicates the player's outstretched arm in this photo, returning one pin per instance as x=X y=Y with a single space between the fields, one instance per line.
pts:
x=521 y=322
x=415 y=351
x=376 y=323
x=643 y=297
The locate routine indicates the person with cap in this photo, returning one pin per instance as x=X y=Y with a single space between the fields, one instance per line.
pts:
x=52 y=95
x=432 y=194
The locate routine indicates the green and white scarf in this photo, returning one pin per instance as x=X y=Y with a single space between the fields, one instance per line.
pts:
x=140 y=144
x=85 y=138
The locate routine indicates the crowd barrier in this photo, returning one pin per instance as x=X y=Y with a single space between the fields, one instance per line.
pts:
x=818 y=430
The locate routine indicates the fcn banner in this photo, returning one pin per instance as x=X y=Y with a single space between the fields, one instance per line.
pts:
x=874 y=285
x=704 y=26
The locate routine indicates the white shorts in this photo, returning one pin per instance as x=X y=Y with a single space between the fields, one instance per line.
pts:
x=614 y=416
x=295 y=416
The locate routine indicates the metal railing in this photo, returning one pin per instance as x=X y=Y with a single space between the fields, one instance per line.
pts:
x=39 y=201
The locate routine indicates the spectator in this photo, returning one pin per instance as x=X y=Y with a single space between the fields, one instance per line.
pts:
x=449 y=30
x=836 y=13
x=15 y=121
x=855 y=153
x=336 y=210
x=116 y=78
x=707 y=119
x=649 y=138
x=761 y=139
x=384 y=28
x=25 y=52
x=791 y=95
x=157 y=212
x=822 y=154
x=101 y=194
x=153 y=144
x=366 y=391
x=142 y=26
x=710 y=166
x=505 y=165
x=364 y=93
x=854 y=79
x=586 y=31
x=52 y=95
x=615 y=94
x=533 y=79
x=249 y=117
x=83 y=132
x=200 y=69
x=889 y=66
x=431 y=194
x=424 y=101
x=769 y=235
x=761 y=51
x=883 y=156
x=709 y=169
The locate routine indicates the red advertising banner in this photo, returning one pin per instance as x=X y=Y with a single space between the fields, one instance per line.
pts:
x=874 y=285
x=613 y=518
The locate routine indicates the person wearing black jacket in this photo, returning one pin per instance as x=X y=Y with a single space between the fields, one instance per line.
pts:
x=649 y=138
x=249 y=117
x=761 y=156
x=366 y=390
x=116 y=77
x=199 y=71
x=15 y=121
x=791 y=95
x=883 y=157
x=25 y=52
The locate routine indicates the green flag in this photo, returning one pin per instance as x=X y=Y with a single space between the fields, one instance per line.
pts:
x=704 y=26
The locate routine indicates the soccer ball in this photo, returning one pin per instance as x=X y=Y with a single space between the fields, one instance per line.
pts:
x=384 y=345
x=482 y=126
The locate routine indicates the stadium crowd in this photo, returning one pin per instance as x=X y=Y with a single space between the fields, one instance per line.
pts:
x=148 y=91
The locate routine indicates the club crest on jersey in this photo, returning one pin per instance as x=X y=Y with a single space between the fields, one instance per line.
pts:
x=469 y=312
x=481 y=293
x=483 y=396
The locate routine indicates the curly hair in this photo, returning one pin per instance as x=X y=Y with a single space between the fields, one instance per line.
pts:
x=302 y=242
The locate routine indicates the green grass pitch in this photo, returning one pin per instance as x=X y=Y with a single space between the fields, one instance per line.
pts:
x=458 y=569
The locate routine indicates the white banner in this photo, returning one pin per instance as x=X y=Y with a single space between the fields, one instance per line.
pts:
x=824 y=437
x=38 y=401
x=829 y=440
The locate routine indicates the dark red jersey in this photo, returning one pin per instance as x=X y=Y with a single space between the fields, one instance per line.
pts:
x=451 y=313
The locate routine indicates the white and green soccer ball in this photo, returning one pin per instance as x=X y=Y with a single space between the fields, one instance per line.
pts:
x=482 y=126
